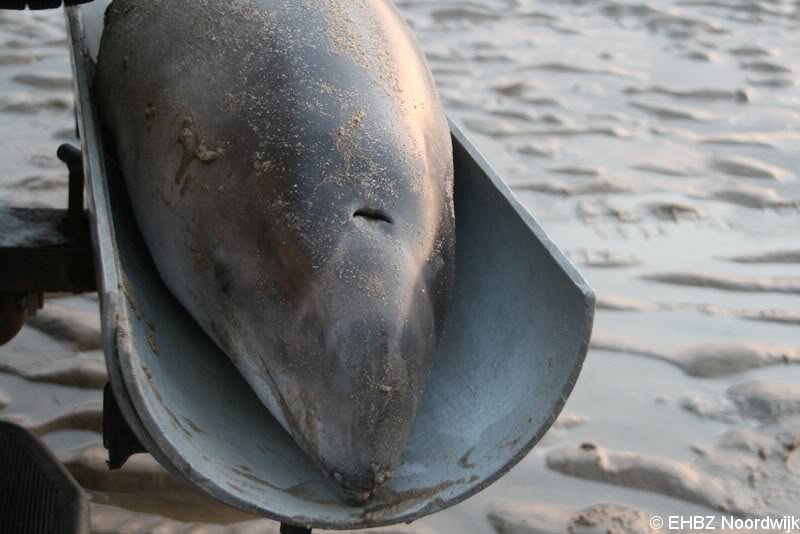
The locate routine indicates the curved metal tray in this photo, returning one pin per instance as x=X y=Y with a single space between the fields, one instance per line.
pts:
x=516 y=340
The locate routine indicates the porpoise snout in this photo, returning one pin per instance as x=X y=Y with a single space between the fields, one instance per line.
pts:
x=378 y=339
x=368 y=325
x=358 y=488
x=366 y=428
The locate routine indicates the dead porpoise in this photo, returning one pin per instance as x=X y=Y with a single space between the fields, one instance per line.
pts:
x=290 y=167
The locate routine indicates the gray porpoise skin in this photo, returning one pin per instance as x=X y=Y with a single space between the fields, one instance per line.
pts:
x=290 y=167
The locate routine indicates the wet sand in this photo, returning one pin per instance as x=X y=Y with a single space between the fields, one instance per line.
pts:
x=658 y=146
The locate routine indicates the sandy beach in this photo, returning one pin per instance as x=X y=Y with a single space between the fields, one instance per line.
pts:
x=657 y=143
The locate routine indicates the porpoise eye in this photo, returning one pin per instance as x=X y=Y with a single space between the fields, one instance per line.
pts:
x=222 y=275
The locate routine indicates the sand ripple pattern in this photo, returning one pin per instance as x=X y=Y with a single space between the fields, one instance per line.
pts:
x=657 y=143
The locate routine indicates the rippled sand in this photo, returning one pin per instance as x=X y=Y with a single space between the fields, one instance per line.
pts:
x=657 y=143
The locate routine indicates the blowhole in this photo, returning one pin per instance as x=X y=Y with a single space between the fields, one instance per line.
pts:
x=374 y=215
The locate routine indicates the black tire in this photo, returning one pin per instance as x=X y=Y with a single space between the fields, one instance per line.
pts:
x=38 y=4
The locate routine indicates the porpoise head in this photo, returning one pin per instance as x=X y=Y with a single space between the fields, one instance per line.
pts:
x=303 y=149
x=342 y=263
x=341 y=308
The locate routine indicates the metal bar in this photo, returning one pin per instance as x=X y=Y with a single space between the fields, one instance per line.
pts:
x=72 y=157
x=12 y=316
x=43 y=251
x=291 y=529
x=118 y=438
x=38 y=4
